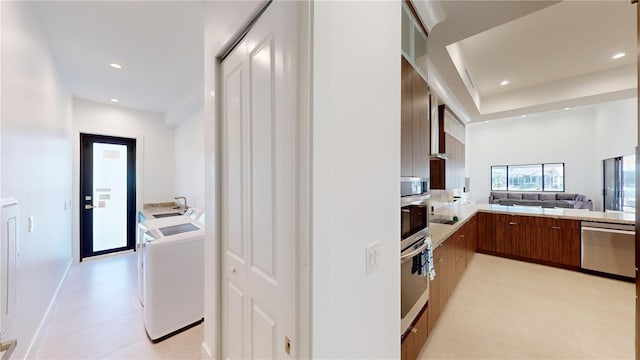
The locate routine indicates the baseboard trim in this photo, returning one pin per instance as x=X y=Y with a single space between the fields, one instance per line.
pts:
x=204 y=351
x=36 y=340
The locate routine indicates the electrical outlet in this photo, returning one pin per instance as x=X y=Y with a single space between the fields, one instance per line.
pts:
x=372 y=259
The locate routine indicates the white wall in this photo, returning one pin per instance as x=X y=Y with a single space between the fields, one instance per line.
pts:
x=36 y=167
x=580 y=137
x=615 y=129
x=158 y=150
x=154 y=150
x=356 y=173
x=189 y=159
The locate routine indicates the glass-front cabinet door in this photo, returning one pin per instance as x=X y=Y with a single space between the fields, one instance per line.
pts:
x=414 y=42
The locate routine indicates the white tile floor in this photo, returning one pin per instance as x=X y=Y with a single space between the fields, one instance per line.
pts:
x=98 y=316
x=506 y=309
x=501 y=309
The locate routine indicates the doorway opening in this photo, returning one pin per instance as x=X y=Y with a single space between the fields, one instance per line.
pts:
x=107 y=194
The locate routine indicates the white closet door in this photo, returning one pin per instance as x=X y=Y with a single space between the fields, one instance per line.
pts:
x=8 y=264
x=259 y=188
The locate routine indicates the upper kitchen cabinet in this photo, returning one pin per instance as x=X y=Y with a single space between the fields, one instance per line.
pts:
x=414 y=39
x=415 y=123
x=415 y=129
x=447 y=169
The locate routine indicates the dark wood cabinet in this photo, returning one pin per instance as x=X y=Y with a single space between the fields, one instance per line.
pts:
x=486 y=232
x=450 y=262
x=511 y=235
x=471 y=232
x=416 y=337
x=460 y=253
x=415 y=141
x=421 y=128
x=448 y=173
x=564 y=241
x=534 y=238
x=403 y=349
x=438 y=292
x=406 y=118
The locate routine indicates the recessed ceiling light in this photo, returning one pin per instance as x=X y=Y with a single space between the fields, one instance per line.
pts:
x=116 y=66
x=486 y=121
x=524 y=115
x=567 y=108
x=504 y=82
x=114 y=100
x=618 y=55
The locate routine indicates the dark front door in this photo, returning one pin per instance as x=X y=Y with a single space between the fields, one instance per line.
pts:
x=107 y=194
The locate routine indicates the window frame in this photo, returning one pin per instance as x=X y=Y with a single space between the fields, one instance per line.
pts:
x=542 y=166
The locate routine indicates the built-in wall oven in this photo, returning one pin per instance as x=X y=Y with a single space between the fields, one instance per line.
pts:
x=414 y=240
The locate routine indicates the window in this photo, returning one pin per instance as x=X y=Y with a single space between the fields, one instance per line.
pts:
x=524 y=177
x=499 y=178
x=533 y=177
x=553 y=177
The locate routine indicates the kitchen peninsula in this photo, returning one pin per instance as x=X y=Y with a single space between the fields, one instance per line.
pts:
x=545 y=236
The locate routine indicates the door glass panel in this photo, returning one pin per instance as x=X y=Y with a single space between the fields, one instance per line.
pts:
x=610 y=184
x=406 y=32
x=420 y=49
x=629 y=183
x=109 y=196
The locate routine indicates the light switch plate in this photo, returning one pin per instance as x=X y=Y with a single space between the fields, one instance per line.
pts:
x=31 y=226
x=372 y=257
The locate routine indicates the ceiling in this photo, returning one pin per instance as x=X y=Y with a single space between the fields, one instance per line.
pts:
x=159 y=45
x=554 y=55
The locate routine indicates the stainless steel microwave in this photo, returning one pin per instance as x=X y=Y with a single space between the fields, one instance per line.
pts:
x=414 y=210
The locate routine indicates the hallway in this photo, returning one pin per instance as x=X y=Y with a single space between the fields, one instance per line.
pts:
x=98 y=316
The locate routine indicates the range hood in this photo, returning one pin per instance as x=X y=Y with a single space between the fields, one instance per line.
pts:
x=437 y=125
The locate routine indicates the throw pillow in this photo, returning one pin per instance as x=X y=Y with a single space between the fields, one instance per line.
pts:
x=499 y=195
x=566 y=196
x=547 y=197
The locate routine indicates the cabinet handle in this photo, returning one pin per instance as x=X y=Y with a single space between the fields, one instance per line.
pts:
x=461 y=236
x=513 y=223
x=414 y=330
x=555 y=227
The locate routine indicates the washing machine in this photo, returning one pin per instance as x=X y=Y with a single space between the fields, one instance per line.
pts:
x=192 y=215
x=173 y=278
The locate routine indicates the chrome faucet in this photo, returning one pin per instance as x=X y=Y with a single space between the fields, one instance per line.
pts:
x=183 y=198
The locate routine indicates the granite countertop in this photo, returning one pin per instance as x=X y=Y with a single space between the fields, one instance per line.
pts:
x=464 y=212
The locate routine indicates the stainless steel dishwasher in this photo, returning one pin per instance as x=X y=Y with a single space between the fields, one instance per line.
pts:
x=609 y=248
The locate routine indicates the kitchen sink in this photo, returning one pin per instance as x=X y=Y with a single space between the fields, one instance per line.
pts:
x=166 y=215
x=444 y=220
